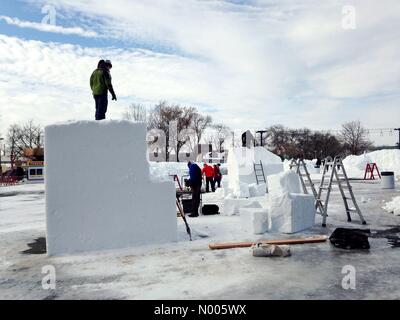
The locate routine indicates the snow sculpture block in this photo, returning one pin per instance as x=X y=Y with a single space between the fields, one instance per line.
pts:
x=241 y=165
x=233 y=205
x=257 y=190
x=284 y=182
x=254 y=220
x=290 y=213
x=98 y=191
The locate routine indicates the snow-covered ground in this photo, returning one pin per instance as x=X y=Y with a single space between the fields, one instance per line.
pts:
x=189 y=270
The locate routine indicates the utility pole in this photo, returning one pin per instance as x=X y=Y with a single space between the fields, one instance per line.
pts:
x=398 y=144
x=261 y=132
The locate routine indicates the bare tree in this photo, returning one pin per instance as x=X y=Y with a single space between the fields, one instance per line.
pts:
x=200 y=124
x=135 y=112
x=218 y=138
x=24 y=140
x=30 y=136
x=294 y=143
x=12 y=143
x=354 y=137
x=172 y=120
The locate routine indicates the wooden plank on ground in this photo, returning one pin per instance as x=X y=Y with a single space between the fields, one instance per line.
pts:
x=293 y=241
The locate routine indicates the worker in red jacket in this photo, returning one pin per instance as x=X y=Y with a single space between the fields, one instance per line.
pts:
x=208 y=172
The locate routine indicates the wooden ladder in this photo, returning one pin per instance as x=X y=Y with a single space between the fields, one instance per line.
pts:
x=259 y=172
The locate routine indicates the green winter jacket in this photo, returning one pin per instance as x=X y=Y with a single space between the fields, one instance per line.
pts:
x=100 y=82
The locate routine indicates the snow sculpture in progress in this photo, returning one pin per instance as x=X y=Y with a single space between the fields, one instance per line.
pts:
x=98 y=190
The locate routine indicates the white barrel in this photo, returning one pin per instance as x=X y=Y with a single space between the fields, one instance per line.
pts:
x=387 y=180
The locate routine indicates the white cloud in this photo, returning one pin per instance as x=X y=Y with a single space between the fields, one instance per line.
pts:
x=49 y=27
x=257 y=64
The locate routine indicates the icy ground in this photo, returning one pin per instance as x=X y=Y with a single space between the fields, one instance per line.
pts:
x=189 y=270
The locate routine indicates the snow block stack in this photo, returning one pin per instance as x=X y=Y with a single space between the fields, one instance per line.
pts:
x=281 y=183
x=290 y=211
x=98 y=191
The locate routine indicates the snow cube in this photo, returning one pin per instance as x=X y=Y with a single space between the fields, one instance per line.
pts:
x=284 y=182
x=98 y=191
x=290 y=213
x=257 y=190
x=254 y=220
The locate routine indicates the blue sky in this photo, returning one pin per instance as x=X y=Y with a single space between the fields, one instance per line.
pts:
x=249 y=64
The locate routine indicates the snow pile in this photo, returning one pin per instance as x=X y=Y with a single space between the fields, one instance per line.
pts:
x=241 y=167
x=284 y=182
x=393 y=206
x=386 y=160
x=98 y=190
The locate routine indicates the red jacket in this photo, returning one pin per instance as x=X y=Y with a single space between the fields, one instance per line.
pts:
x=208 y=171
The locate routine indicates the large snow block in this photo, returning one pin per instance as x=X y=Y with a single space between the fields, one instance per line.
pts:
x=284 y=182
x=254 y=220
x=290 y=213
x=98 y=191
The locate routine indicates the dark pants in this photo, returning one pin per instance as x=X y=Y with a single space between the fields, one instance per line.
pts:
x=196 y=191
x=101 y=106
x=210 y=181
x=217 y=180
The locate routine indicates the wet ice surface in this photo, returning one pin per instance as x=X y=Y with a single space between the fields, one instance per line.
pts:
x=189 y=270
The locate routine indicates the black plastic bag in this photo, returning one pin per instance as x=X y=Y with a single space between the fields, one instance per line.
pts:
x=210 y=209
x=350 y=238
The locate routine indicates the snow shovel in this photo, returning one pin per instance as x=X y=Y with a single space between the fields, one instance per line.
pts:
x=231 y=245
x=182 y=213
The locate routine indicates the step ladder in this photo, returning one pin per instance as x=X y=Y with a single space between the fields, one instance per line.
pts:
x=337 y=176
x=259 y=172
x=300 y=167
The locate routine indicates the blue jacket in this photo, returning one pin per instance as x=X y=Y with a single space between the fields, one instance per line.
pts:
x=195 y=174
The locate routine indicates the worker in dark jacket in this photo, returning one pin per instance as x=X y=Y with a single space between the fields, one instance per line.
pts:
x=195 y=182
x=100 y=83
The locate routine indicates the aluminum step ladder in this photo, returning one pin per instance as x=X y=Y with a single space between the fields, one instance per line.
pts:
x=259 y=173
x=337 y=176
x=301 y=169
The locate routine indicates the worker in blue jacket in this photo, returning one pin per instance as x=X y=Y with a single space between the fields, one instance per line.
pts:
x=195 y=182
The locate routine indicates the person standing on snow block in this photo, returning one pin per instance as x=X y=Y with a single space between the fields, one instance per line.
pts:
x=100 y=83
x=208 y=171
x=195 y=182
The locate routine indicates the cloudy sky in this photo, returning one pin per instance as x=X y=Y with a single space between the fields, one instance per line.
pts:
x=249 y=64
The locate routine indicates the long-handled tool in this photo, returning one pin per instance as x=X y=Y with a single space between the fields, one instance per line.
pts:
x=182 y=213
x=231 y=245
